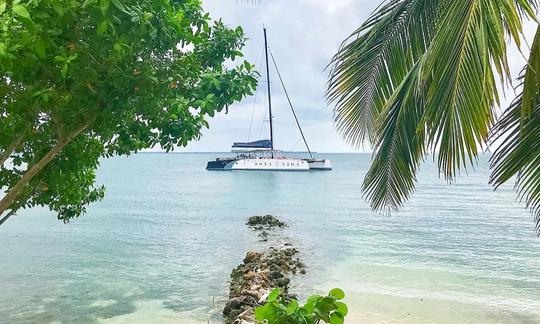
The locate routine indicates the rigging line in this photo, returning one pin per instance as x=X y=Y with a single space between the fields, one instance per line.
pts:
x=254 y=100
x=290 y=103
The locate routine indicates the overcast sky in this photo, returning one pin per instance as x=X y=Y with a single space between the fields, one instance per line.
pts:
x=303 y=36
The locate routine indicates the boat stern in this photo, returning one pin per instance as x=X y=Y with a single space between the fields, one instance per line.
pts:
x=217 y=165
x=319 y=164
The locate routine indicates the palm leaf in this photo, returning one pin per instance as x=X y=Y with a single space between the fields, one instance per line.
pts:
x=420 y=75
x=374 y=60
x=391 y=178
x=462 y=90
x=519 y=154
x=531 y=84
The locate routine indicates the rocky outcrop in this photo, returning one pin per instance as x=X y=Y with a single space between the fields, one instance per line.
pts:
x=260 y=273
x=267 y=222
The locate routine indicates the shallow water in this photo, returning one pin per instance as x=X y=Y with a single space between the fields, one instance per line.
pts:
x=160 y=246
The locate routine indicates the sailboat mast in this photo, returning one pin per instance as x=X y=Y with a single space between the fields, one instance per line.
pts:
x=268 y=87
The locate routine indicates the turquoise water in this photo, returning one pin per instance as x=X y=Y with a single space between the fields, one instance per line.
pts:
x=160 y=246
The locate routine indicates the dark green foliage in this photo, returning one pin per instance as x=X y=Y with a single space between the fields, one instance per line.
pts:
x=328 y=309
x=81 y=80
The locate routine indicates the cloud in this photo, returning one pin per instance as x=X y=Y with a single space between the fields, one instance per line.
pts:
x=303 y=36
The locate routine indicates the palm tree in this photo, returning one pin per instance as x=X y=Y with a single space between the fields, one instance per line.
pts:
x=421 y=76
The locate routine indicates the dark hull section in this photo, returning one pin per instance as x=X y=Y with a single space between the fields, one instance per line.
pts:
x=217 y=164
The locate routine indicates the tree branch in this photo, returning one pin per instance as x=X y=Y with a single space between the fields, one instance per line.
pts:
x=11 y=148
x=13 y=193
x=8 y=215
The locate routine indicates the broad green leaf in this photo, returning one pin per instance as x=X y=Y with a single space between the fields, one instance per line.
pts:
x=337 y=293
x=292 y=307
x=20 y=10
x=273 y=295
x=2 y=7
x=268 y=311
x=336 y=318
x=342 y=308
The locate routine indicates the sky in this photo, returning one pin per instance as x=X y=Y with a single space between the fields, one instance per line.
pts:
x=303 y=35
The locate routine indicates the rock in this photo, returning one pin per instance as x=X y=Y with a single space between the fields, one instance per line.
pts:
x=255 y=287
x=249 y=275
x=283 y=282
x=252 y=257
x=232 y=304
x=276 y=275
x=302 y=271
x=254 y=294
x=267 y=221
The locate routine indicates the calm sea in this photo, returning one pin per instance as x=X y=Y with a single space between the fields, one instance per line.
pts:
x=159 y=248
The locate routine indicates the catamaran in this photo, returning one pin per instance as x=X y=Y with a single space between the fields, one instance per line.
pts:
x=261 y=155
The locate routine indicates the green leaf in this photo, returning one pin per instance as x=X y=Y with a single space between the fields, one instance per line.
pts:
x=40 y=46
x=119 y=6
x=266 y=312
x=2 y=7
x=342 y=308
x=516 y=158
x=216 y=83
x=336 y=318
x=104 y=6
x=337 y=293
x=311 y=302
x=59 y=58
x=21 y=11
x=87 y=3
x=64 y=70
x=531 y=83
x=292 y=307
x=273 y=295
x=102 y=27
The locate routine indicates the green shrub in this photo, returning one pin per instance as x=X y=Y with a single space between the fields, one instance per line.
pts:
x=328 y=309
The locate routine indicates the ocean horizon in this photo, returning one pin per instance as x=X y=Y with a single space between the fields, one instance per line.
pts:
x=161 y=245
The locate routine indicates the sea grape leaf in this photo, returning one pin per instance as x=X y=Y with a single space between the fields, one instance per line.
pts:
x=337 y=293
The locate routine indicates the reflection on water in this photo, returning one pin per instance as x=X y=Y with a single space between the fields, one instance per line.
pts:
x=161 y=245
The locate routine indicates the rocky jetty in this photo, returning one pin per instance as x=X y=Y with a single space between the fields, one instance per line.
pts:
x=260 y=273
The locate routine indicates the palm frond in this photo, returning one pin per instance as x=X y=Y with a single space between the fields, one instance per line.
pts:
x=391 y=178
x=374 y=60
x=531 y=83
x=519 y=154
x=421 y=75
x=462 y=92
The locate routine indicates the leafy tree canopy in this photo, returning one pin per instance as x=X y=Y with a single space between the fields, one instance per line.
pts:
x=82 y=80
x=421 y=76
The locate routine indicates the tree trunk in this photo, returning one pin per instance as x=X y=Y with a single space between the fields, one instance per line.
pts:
x=10 y=149
x=11 y=196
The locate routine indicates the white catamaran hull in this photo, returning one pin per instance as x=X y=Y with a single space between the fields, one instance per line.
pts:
x=263 y=165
